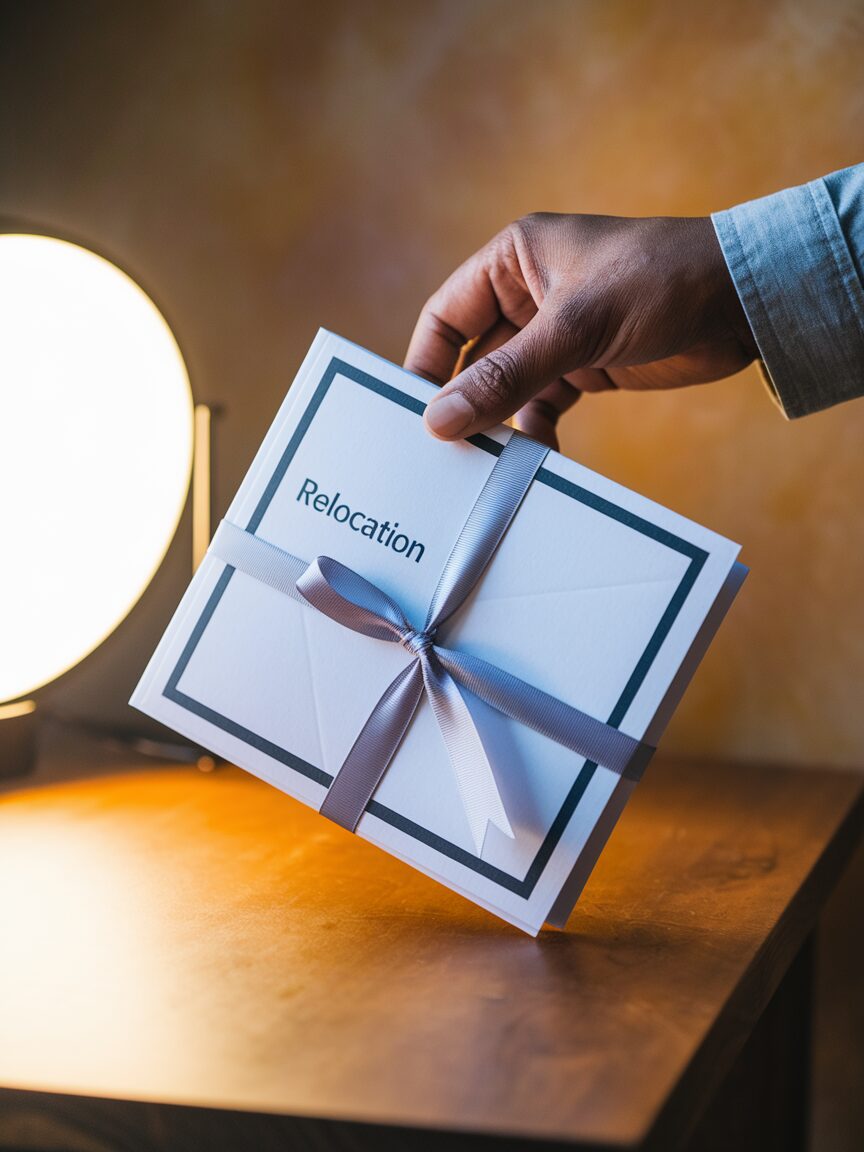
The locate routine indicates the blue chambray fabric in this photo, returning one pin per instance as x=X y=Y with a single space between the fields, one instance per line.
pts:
x=796 y=259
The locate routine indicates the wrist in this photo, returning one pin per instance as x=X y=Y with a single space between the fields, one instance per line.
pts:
x=724 y=294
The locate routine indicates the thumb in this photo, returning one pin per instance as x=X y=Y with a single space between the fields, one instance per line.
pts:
x=502 y=382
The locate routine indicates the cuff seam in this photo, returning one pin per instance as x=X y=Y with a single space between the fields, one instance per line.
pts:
x=790 y=401
x=846 y=271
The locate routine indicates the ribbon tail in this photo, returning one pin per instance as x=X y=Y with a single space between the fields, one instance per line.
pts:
x=576 y=730
x=477 y=787
x=374 y=748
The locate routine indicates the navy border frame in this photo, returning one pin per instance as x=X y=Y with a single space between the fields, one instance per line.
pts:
x=521 y=887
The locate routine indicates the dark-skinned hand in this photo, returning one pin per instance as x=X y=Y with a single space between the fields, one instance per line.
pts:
x=558 y=305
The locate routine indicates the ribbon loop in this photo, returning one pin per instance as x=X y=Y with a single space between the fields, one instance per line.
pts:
x=350 y=599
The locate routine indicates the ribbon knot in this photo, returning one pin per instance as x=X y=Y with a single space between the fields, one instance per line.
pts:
x=417 y=643
x=435 y=672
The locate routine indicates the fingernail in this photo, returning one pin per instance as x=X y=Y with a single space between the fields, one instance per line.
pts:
x=449 y=415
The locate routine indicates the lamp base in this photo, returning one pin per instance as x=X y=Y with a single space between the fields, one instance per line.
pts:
x=17 y=738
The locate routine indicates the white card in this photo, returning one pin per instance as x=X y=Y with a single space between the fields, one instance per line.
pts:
x=596 y=595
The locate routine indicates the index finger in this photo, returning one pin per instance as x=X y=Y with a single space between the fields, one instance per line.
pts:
x=463 y=308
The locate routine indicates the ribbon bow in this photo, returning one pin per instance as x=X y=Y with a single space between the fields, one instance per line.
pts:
x=436 y=671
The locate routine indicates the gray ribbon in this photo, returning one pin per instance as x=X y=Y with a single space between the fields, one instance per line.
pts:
x=351 y=600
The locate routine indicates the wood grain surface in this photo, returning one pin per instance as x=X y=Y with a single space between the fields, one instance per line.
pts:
x=174 y=938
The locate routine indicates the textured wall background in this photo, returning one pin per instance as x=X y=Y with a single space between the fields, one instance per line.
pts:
x=265 y=167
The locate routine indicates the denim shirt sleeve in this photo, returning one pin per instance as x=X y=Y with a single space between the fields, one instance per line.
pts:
x=796 y=259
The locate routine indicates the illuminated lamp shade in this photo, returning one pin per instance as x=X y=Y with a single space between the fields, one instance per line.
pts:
x=96 y=423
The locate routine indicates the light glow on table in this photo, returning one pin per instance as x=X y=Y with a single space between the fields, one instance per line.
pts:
x=95 y=453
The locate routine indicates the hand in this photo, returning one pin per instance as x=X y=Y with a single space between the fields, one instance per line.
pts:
x=557 y=305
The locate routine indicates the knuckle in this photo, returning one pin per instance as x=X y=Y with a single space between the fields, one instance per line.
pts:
x=530 y=242
x=440 y=327
x=524 y=233
x=572 y=314
x=529 y=225
x=494 y=379
x=501 y=251
x=545 y=410
x=582 y=321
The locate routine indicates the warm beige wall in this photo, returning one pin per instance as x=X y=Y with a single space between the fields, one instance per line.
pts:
x=268 y=167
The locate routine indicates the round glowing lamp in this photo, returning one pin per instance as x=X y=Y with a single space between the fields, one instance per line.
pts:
x=96 y=432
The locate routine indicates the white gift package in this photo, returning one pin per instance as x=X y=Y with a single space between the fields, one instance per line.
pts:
x=480 y=701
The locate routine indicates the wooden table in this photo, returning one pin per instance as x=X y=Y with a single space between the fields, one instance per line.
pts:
x=193 y=961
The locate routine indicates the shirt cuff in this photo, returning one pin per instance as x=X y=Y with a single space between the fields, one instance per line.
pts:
x=798 y=284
